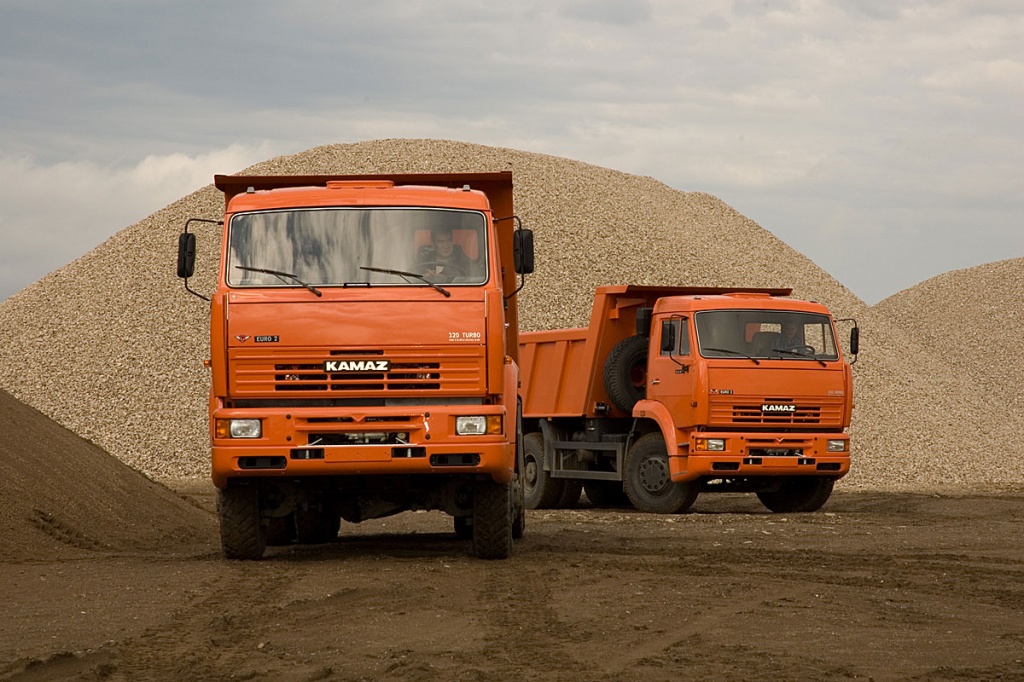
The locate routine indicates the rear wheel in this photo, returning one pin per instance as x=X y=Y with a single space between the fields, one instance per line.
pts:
x=570 y=494
x=316 y=526
x=798 y=494
x=280 y=531
x=648 y=483
x=605 y=494
x=540 y=490
x=463 y=527
x=492 y=519
x=518 y=479
x=241 y=534
x=518 y=508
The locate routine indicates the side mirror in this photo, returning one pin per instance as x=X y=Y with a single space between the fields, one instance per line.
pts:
x=522 y=251
x=186 y=255
x=855 y=340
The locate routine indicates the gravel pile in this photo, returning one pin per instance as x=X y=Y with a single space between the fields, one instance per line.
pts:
x=977 y=329
x=60 y=494
x=111 y=346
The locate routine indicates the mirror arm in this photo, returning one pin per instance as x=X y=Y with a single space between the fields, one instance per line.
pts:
x=522 y=275
x=186 y=261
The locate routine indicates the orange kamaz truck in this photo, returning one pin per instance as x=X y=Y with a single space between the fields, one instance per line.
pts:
x=363 y=353
x=675 y=391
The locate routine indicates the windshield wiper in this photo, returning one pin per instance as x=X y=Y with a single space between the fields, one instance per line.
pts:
x=403 y=273
x=801 y=355
x=278 y=273
x=734 y=352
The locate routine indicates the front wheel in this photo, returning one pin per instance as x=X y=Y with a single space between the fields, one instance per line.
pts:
x=241 y=534
x=648 y=483
x=492 y=520
x=798 y=494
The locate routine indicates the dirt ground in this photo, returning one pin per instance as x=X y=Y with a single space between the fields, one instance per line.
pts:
x=875 y=586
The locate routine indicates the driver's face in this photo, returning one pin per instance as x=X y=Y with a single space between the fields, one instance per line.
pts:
x=443 y=246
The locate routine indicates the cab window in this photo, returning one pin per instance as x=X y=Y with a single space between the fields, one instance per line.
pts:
x=675 y=336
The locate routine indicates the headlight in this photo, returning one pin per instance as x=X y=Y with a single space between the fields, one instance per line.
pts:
x=478 y=425
x=837 y=445
x=711 y=444
x=239 y=428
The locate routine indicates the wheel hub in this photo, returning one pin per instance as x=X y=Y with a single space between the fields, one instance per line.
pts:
x=654 y=476
x=530 y=475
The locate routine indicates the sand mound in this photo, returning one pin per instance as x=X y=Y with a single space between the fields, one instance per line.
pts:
x=61 y=494
x=112 y=347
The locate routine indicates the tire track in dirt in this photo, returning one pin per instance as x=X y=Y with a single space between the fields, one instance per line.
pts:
x=525 y=628
x=918 y=588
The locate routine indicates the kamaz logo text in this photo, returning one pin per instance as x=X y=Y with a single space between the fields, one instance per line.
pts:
x=778 y=408
x=357 y=365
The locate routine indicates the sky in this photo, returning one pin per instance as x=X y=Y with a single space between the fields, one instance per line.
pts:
x=882 y=139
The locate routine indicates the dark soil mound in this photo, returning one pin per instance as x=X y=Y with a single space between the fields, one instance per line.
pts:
x=61 y=495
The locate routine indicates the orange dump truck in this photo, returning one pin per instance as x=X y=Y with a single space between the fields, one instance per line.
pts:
x=364 y=342
x=674 y=391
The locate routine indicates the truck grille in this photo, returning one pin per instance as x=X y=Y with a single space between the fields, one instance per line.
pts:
x=748 y=412
x=301 y=372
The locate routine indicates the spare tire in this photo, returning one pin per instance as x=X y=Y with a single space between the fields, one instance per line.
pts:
x=625 y=372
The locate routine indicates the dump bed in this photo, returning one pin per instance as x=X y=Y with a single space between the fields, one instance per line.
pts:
x=562 y=371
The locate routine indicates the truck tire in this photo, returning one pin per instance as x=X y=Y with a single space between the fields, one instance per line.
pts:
x=492 y=519
x=605 y=494
x=317 y=526
x=518 y=508
x=647 y=482
x=463 y=527
x=625 y=372
x=519 y=523
x=798 y=494
x=280 y=531
x=539 y=489
x=518 y=478
x=570 y=494
x=241 y=533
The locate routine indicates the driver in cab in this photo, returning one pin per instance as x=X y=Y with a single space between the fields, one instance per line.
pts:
x=791 y=339
x=446 y=259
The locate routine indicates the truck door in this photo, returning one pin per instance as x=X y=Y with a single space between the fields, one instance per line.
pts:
x=669 y=365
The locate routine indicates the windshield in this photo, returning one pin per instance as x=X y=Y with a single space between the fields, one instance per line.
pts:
x=765 y=334
x=357 y=246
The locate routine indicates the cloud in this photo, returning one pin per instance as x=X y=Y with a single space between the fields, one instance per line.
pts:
x=615 y=12
x=50 y=214
x=864 y=116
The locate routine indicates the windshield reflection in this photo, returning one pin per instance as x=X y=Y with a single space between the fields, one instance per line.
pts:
x=765 y=334
x=339 y=246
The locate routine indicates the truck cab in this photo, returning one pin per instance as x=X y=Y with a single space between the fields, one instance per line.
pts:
x=364 y=343
x=741 y=383
x=675 y=391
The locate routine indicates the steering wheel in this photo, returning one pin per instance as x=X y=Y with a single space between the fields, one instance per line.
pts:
x=803 y=350
x=449 y=268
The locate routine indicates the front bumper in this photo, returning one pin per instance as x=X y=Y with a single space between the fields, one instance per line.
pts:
x=760 y=454
x=368 y=441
